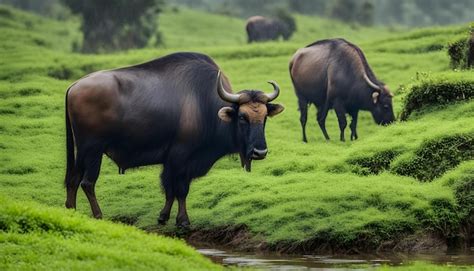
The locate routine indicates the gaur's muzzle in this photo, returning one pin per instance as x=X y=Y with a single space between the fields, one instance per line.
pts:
x=259 y=154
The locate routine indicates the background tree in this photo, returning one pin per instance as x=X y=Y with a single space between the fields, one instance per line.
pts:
x=288 y=20
x=384 y=12
x=310 y=7
x=365 y=14
x=120 y=24
x=343 y=10
x=51 y=8
x=470 y=53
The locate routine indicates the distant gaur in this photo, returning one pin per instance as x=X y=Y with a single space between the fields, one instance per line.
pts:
x=177 y=110
x=264 y=29
x=334 y=73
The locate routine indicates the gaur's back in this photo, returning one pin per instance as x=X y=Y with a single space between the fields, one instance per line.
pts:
x=328 y=60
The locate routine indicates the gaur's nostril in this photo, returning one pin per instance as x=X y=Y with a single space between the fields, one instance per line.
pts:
x=260 y=152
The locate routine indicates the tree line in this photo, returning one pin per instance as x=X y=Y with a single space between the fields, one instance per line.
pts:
x=109 y=25
x=367 y=12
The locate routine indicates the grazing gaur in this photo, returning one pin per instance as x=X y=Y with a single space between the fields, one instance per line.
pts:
x=264 y=29
x=334 y=73
x=177 y=110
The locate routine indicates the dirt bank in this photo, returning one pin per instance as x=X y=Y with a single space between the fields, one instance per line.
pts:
x=239 y=238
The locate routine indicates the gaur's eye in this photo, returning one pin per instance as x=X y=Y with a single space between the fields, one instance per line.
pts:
x=242 y=118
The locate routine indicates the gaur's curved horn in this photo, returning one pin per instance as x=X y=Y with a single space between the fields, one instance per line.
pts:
x=366 y=78
x=276 y=91
x=226 y=96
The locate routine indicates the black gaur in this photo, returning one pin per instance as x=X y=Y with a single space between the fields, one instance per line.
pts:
x=264 y=29
x=334 y=73
x=177 y=110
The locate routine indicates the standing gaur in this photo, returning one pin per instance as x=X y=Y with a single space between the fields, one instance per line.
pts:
x=334 y=73
x=260 y=28
x=176 y=110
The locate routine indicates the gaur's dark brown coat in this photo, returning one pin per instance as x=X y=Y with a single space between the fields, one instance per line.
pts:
x=264 y=29
x=173 y=111
x=335 y=74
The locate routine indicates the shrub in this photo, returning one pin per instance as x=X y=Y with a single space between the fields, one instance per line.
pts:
x=470 y=49
x=431 y=48
x=464 y=192
x=457 y=52
x=6 y=13
x=19 y=170
x=29 y=91
x=62 y=73
x=375 y=164
x=434 y=157
x=436 y=93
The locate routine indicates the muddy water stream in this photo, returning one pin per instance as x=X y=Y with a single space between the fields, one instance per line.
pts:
x=273 y=261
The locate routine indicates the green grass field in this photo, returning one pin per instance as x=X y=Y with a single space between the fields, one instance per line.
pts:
x=38 y=237
x=347 y=194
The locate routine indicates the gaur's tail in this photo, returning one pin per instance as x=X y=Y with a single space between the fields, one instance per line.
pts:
x=69 y=145
x=290 y=68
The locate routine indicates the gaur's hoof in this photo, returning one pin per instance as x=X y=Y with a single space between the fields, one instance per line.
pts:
x=183 y=223
x=69 y=205
x=163 y=218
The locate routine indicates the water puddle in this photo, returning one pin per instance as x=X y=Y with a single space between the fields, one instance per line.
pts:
x=273 y=261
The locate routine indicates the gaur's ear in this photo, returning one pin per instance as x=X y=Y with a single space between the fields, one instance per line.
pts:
x=375 y=96
x=274 y=109
x=226 y=113
x=388 y=91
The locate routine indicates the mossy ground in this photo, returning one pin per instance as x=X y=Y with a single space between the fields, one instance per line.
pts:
x=34 y=236
x=301 y=191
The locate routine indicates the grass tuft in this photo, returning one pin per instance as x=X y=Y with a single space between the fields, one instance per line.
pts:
x=436 y=156
x=51 y=239
x=436 y=93
x=374 y=164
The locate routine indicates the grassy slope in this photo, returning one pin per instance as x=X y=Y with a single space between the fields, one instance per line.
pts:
x=52 y=239
x=188 y=27
x=300 y=191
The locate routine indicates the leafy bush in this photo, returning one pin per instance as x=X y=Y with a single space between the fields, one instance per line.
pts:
x=461 y=180
x=457 y=52
x=436 y=93
x=375 y=164
x=434 y=157
x=470 y=49
x=464 y=192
